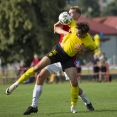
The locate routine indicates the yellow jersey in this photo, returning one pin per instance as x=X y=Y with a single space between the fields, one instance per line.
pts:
x=71 y=39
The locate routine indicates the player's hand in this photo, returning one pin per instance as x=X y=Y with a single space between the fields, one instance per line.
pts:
x=80 y=48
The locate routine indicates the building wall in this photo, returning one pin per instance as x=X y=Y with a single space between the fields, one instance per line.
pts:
x=110 y=47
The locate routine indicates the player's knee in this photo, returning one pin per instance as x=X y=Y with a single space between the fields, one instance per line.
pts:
x=80 y=91
x=74 y=83
x=39 y=80
x=36 y=69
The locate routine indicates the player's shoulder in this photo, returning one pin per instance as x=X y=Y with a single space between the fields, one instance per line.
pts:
x=72 y=23
x=90 y=37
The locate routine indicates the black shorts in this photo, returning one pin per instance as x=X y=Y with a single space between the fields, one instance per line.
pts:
x=57 y=54
x=95 y=69
x=103 y=69
x=79 y=69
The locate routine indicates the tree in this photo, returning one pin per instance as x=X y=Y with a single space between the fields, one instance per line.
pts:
x=90 y=8
x=17 y=28
x=110 y=9
x=26 y=27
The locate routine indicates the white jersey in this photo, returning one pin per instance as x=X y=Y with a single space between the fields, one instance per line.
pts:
x=55 y=69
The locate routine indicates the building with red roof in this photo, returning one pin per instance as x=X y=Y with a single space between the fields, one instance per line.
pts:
x=108 y=20
x=97 y=27
x=108 y=34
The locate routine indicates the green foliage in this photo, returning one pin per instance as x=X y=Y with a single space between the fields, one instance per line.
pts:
x=18 y=28
x=89 y=8
x=26 y=27
x=49 y=15
x=110 y=9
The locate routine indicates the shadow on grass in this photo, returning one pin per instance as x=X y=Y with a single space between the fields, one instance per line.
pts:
x=110 y=110
x=49 y=113
x=114 y=110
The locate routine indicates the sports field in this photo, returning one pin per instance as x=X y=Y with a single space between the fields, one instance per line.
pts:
x=55 y=100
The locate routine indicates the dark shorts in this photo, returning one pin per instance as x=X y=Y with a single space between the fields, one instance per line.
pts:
x=95 y=69
x=79 y=69
x=57 y=54
x=103 y=69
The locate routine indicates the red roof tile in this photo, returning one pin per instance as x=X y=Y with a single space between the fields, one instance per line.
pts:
x=108 y=20
x=96 y=27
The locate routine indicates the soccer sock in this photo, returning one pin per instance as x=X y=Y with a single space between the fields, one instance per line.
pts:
x=74 y=95
x=84 y=98
x=36 y=94
x=26 y=75
x=16 y=83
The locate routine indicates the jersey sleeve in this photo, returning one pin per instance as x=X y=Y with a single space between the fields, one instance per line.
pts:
x=92 y=44
x=72 y=24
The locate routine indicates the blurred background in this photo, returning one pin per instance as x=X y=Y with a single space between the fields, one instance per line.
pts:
x=26 y=29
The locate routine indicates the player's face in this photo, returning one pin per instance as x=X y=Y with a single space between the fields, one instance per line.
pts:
x=74 y=14
x=80 y=34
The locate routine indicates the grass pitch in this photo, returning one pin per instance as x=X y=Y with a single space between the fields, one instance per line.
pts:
x=55 y=100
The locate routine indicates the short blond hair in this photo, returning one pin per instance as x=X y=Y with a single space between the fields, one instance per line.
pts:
x=77 y=9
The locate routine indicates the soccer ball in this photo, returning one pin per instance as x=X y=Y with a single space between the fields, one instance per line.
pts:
x=65 y=18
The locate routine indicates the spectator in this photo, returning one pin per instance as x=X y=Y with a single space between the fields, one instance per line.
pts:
x=103 y=64
x=95 y=63
x=20 y=69
x=35 y=60
x=33 y=63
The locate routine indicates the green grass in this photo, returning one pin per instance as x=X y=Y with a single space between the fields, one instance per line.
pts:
x=55 y=100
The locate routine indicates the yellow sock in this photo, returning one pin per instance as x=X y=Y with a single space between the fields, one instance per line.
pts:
x=74 y=95
x=52 y=78
x=26 y=75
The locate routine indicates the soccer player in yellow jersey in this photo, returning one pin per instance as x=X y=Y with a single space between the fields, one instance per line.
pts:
x=75 y=12
x=76 y=36
x=65 y=54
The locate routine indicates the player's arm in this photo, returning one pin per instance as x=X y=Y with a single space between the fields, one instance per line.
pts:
x=82 y=50
x=91 y=48
x=58 y=29
x=32 y=64
x=88 y=51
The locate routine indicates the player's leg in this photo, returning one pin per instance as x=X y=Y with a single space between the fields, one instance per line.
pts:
x=85 y=99
x=83 y=96
x=72 y=74
x=45 y=73
x=30 y=72
x=37 y=91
